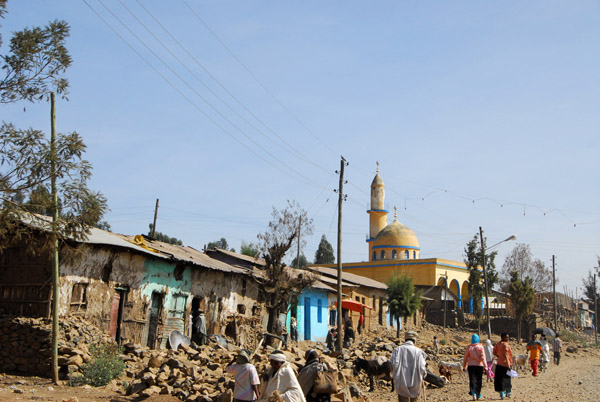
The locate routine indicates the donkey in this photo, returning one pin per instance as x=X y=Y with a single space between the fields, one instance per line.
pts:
x=374 y=368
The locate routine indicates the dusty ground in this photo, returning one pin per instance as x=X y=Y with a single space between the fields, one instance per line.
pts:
x=577 y=379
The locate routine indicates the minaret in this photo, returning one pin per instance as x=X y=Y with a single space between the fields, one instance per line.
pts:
x=377 y=213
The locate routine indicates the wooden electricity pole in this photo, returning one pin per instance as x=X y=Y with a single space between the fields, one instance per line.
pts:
x=298 y=255
x=595 y=311
x=487 y=305
x=55 y=273
x=554 y=291
x=343 y=163
x=154 y=223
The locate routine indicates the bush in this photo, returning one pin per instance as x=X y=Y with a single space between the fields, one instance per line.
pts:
x=104 y=366
x=443 y=342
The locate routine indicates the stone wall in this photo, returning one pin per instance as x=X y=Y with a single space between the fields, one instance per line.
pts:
x=25 y=345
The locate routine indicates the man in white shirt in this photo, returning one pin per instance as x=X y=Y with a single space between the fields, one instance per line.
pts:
x=409 y=370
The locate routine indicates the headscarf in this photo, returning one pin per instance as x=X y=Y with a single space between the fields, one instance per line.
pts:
x=311 y=354
x=242 y=357
x=475 y=338
x=489 y=349
x=277 y=356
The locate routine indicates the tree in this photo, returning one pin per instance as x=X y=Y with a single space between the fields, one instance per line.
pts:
x=164 y=238
x=522 y=296
x=521 y=260
x=249 y=249
x=281 y=284
x=303 y=262
x=474 y=261
x=36 y=62
x=221 y=243
x=324 y=254
x=588 y=283
x=402 y=299
x=24 y=181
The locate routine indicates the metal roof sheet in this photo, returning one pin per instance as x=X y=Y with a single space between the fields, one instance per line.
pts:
x=348 y=277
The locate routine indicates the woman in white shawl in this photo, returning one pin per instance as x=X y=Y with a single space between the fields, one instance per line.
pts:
x=281 y=383
x=489 y=358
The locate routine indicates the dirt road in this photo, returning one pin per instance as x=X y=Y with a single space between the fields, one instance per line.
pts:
x=577 y=379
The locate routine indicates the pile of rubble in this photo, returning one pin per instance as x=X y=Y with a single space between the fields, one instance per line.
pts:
x=25 y=345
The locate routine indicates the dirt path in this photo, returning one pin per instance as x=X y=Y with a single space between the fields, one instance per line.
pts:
x=577 y=379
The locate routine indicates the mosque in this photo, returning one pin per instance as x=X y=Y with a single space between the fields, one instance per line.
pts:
x=394 y=248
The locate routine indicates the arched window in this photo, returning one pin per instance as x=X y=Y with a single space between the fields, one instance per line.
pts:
x=414 y=254
x=407 y=254
x=394 y=254
x=374 y=255
x=383 y=254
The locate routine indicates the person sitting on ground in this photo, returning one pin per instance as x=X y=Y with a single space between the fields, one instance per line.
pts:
x=331 y=338
x=280 y=381
x=246 y=378
x=348 y=335
x=306 y=377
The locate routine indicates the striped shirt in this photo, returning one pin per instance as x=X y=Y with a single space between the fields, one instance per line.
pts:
x=245 y=377
x=556 y=345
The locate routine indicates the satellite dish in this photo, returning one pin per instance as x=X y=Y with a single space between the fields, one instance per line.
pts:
x=176 y=338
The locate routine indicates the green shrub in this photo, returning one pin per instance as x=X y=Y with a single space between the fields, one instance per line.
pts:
x=104 y=366
x=443 y=342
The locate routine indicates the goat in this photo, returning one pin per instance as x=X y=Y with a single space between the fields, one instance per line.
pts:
x=520 y=362
x=450 y=367
x=374 y=368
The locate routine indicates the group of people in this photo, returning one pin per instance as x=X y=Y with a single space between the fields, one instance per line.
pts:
x=478 y=358
x=280 y=382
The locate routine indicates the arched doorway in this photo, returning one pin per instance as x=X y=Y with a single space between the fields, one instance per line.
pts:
x=468 y=302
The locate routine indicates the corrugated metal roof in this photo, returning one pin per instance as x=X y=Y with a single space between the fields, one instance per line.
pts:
x=257 y=261
x=189 y=255
x=333 y=281
x=348 y=277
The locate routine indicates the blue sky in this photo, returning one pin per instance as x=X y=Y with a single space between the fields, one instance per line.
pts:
x=479 y=113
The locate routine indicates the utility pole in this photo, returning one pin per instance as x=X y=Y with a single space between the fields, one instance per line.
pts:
x=55 y=273
x=154 y=223
x=487 y=306
x=554 y=291
x=341 y=198
x=445 y=298
x=298 y=255
x=595 y=311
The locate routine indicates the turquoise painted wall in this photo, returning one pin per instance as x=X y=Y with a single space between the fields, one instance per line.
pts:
x=159 y=277
x=312 y=316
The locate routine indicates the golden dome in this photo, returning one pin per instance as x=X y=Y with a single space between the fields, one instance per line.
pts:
x=396 y=235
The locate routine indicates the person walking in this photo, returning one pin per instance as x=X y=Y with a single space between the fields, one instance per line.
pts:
x=408 y=363
x=348 y=335
x=307 y=375
x=503 y=353
x=534 y=347
x=280 y=381
x=545 y=358
x=475 y=358
x=246 y=384
x=557 y=349
x=489 y=358
x=436 y=344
